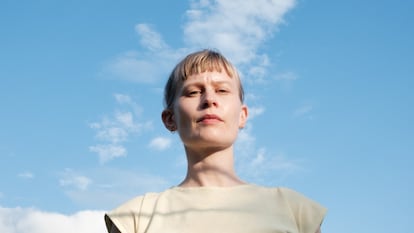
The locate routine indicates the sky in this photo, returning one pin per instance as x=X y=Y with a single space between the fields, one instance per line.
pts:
x=328 y=84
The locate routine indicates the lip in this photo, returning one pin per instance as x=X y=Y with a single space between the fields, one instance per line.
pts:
x=209 y=118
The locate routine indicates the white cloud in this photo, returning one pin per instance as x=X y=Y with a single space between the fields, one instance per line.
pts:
x=258 y=72
x=286 y=79
x=132 y=67
x=149 y=66
x=255 y=111
x=255 y=164
x=129 y=102
x=126 y=120
x=264 y=161
x=23 y=220
x=160 y=143
x=106 y=188
x=121 y=98
x=287 y=76
x=303 y=111
x=112 y=134
x=71 y=179
x=250 y=97
x=26 y=175
x=150 y=39
x=237 y=28
x=114 y=130
x=108 y=152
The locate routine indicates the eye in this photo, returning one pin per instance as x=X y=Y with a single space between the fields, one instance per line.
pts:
x=222 y=90
x=193 y=93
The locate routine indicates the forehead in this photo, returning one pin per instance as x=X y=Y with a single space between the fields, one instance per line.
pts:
x=213 y=77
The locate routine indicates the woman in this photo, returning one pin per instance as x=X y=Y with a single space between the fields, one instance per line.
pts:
x=204 y=104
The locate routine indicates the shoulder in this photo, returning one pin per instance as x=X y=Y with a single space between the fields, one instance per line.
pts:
x=126 y=216
x=308 y=213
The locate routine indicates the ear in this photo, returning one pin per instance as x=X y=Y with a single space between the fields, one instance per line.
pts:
x=168 y=119
x=243 y=116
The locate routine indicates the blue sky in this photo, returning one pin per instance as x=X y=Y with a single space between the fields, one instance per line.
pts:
x=328 y=85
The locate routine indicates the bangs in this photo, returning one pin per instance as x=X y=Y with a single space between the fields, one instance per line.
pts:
x=210 y=62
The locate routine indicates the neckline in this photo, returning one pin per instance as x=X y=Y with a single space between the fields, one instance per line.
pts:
x=226 y=188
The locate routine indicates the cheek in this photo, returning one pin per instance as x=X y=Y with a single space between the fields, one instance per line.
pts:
x=182 y=114
x=235 y=114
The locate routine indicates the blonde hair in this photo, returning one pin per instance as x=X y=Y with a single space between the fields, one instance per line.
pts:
x=195 y=63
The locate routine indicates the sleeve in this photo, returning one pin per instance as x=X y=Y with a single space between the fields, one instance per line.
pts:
x=308 y=214
x=125 y=218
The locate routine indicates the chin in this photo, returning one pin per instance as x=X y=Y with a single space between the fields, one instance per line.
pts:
x=213 y=141
x=211 y=138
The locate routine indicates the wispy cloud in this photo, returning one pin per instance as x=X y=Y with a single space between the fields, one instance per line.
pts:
x=160 y=143
x=304 y=111
x=148 y=65
x=256 y=163
x=287 y=76
x=22 y=220
x=73 y=180
x=150 y=38
x=138 y=67
x=100 y=187
x=26 y=175
x=255 y=111
x=237 y=28
x=286 y=79
x=265 y=162
x=112 y=131
x=108 y=152
x=129 y=102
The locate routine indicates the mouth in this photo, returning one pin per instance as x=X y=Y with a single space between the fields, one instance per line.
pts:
x=209 y=118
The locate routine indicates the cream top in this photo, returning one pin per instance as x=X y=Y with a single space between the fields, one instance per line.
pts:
x=243 y=208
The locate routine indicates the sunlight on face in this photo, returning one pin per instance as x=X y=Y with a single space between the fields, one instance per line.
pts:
x=208 y=111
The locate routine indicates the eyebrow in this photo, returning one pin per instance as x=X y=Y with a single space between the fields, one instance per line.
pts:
x=198 y=82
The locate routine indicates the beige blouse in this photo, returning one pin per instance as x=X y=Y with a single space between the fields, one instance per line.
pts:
x=240 y=209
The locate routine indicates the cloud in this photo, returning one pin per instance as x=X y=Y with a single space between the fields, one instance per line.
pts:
x=279 y=162
x=105 y=187
x=150 y=39
x=114 y=130
x=304 y=110
x=287 y=76
x=127 y=100
x=255 y=111
x=148 y=66
x=26 y=175
x=160 y=143
x=256 y=163
x=136 y=67
x=23 y=220
x=286 y=79
x=237 y=28
x=108 y=152
x=69 y=178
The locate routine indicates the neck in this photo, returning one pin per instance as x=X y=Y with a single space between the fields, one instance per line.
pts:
x=210 y=168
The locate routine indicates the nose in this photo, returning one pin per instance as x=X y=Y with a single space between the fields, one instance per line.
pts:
x=209 y=99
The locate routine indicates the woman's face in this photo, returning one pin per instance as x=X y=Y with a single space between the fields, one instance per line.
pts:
x=208 y=112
